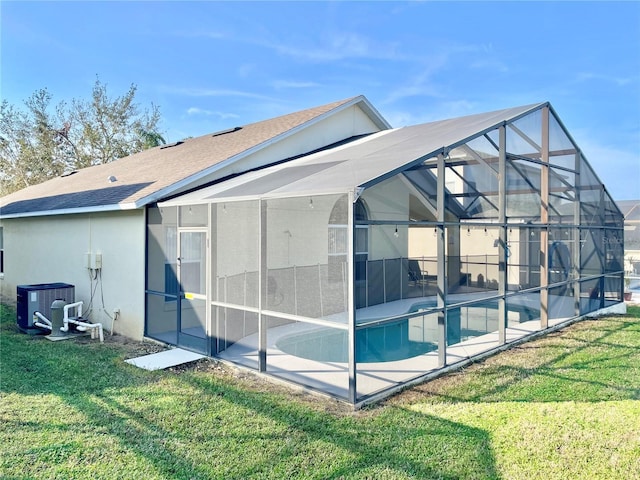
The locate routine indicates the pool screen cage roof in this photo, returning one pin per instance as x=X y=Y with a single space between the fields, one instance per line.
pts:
x=364 y=267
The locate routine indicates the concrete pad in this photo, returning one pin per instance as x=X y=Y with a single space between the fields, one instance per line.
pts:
x=57 y=338
x=164 y=359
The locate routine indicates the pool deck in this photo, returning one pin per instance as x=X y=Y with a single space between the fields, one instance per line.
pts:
x=371 y=378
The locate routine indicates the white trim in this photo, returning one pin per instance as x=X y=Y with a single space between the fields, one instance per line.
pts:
x=69 y=211
x=374 y=114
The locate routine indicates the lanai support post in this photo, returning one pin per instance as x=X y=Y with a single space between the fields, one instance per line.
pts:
x=602 y=235
x=262 y=300
x=351 y=304
x=544 y=220
x=502 y=247
x=576 y=236
x=211 y=273
x=442 y=280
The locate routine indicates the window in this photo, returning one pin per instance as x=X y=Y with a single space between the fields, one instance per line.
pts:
x=192 y=267
x=338 y=236
x=338 y=240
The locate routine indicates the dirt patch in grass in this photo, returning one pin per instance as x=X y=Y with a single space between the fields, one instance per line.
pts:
x=130 y=348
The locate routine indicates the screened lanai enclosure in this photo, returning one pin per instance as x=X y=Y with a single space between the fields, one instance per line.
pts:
x=358 y=269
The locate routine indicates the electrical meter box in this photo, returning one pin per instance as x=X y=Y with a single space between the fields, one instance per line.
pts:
x=38 y=298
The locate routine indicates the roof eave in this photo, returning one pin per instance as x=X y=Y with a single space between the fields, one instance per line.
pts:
x=69 y=211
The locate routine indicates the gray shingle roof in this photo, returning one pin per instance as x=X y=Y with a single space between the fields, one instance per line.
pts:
x=142 y=176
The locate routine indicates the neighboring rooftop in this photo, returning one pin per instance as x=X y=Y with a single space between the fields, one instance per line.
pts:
x=631 y=211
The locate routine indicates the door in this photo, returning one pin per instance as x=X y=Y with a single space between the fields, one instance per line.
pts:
x=192 y=276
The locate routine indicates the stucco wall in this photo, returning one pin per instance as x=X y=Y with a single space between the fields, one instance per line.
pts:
x=53 y=249
x=388 y=200
x=297 y=233
x=345 y=124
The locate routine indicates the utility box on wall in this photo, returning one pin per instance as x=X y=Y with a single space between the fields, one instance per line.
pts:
x=38 y=298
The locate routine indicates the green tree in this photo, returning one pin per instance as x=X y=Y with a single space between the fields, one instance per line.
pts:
x=40 y=142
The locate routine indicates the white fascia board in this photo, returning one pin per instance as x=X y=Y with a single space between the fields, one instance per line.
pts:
x=70 y=211
x=185 y=182
x=373 y=113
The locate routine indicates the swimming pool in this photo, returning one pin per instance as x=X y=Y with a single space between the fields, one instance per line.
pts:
x=385 y=343
x=404 y=338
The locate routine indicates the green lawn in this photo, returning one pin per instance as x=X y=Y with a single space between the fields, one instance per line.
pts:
x=566 y=406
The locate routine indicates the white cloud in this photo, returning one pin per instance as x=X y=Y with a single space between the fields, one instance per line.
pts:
x=618 y=168
x=338 y=46
x=432 y=112
x=246 y=70
x=421 y=84
x=282 y=84
x=211 y=92
x=489 y=64
x=209 y=113
x=201 y=34
x=619 y=81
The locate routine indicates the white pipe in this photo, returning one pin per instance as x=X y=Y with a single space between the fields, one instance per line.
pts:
x=43 y=318
x=92 y=326
x=73 y=305
x=66 y=308
x=42 y=325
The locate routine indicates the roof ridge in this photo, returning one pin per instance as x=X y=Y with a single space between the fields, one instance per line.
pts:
x=325 y=108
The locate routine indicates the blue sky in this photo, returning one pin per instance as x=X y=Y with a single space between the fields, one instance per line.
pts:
x=215 y=65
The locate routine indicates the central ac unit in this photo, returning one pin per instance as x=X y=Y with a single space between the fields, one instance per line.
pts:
x=38 y=298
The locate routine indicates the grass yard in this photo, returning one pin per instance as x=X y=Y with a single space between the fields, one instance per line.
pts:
x=566 y=406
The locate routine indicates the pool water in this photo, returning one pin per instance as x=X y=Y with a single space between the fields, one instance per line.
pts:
x=385 y=343
x=401 y=339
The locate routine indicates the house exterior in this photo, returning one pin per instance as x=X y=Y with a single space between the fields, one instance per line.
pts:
x=49 y=229
x=326 y=249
